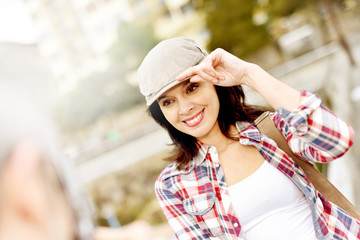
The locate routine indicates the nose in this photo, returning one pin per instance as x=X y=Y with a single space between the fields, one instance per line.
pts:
x=185 y=106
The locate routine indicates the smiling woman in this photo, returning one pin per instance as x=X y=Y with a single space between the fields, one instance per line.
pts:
x=191 y=108
x=227 y=180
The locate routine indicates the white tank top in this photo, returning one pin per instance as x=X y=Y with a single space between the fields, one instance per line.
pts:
x=270 y=206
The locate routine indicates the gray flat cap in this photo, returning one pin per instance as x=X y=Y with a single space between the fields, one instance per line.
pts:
x=164 y=63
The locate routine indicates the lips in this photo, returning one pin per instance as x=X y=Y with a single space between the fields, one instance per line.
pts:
x=195 y=120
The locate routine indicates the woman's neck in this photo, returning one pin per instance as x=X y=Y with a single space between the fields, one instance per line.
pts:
x=217 y=139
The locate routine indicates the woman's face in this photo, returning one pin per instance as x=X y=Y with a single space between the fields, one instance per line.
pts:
x=192 y=108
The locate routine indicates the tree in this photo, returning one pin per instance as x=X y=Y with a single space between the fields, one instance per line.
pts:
x=231 y=23
x=282 y=8
x=231 y=26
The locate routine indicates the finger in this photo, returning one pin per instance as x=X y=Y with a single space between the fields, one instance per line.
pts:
x=209 y=67
x=204 y=69
x=186 y=74
x=205 y=66
x=197 y=78
x=204 y=73
x=210 y=64
x=208 y=79
x=209 y=70
x=213 y=74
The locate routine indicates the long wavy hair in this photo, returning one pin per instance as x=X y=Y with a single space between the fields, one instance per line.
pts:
x=232 y=109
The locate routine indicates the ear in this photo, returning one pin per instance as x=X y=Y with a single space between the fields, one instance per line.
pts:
x=23 y=182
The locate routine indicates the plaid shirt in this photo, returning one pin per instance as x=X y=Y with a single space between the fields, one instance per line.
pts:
x=196 y=201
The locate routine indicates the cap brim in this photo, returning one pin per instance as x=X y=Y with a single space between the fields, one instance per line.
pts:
x=154 y=97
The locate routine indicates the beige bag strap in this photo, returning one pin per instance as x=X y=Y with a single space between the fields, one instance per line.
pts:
x=265 y=125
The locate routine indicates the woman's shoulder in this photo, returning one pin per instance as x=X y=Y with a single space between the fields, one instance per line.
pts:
x=168 y=171
x=171 y=170
x=242 y=125
x=165 y=181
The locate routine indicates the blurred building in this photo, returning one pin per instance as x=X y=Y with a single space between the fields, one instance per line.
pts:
x=24 y=70
x=74 y=35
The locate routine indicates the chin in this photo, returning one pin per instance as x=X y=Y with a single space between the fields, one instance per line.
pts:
x=199 y=133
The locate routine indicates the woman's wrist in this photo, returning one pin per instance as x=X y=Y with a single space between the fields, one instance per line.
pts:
x=253 y=75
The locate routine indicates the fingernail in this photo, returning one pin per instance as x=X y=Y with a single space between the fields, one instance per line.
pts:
x=221 y=78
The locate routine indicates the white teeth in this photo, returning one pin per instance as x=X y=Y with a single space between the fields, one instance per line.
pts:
x=192 y=121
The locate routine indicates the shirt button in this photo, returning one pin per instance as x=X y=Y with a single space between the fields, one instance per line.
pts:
x=280 y=111
x=319 y=231
x=212 y=150
x=244 y=140
x=236 y=224
x=217 y=165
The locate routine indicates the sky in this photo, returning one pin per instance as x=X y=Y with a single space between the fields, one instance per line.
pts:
x=15 y=23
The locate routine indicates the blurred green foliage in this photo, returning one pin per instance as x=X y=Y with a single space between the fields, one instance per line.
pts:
x=281 y=8
x=232 y=24
x=231 y=27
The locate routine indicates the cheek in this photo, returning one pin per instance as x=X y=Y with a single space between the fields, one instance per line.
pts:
x=209 y=94
x=170 y=115
x=211 y=99
x=215 y=108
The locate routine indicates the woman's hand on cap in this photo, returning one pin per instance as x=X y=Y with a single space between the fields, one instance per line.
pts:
x=219 y=67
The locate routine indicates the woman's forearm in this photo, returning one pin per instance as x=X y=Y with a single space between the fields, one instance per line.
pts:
x=275 y=92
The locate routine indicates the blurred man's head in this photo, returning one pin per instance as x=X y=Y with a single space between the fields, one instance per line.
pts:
x=36 y=199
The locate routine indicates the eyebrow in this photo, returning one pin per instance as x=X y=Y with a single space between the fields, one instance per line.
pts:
x=185 y=83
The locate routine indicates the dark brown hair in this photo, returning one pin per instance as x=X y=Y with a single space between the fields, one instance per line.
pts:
x=232 y=109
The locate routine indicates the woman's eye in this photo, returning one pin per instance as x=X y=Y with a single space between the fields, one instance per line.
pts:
x=192 y=88
x=166 y=102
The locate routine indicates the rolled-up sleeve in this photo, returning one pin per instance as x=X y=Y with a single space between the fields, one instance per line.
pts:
x=312 y=131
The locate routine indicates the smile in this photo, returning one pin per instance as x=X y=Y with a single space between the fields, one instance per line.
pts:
x=195 y=120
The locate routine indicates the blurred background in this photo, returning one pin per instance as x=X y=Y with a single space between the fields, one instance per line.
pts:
x=78 y=60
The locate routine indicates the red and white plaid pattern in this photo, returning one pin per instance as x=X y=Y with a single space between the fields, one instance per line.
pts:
x=196 y=201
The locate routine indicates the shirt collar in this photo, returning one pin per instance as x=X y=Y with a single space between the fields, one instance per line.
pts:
x=248 y=130
x=201 y=155
x=195 y=161
x=245 y=129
